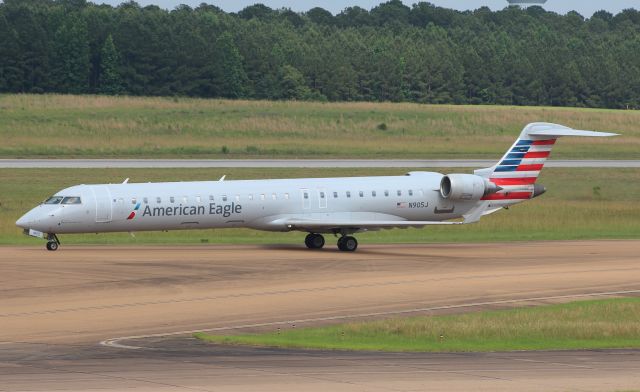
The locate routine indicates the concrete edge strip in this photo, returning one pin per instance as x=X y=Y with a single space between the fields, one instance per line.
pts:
x=292 y=163
x=115 y=342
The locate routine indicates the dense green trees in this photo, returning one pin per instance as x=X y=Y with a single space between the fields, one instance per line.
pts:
x=70 y=60
x=110 y=82
x=393 y=52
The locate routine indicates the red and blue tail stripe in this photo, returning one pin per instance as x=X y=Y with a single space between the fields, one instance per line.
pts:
x=516 y=173
x=518 y=170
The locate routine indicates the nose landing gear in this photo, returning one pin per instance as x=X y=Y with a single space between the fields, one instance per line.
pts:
x=52 y=242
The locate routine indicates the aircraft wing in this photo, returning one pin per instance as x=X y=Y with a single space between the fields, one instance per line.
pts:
x=329 y=224
x=316 y=224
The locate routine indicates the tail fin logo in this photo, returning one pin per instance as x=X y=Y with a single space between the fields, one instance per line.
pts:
x=133 y=213
x=518 y=170
x=526 y=155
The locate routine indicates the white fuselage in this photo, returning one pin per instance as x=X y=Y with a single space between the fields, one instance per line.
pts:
x=257 y=204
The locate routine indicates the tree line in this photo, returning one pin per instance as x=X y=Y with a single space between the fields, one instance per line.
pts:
x=392 y=52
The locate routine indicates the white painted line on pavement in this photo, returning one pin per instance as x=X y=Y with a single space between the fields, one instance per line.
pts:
x=115 y=342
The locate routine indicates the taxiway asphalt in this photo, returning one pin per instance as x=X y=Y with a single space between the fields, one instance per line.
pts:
x=55 y=308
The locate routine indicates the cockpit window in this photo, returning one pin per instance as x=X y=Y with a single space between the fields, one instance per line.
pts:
x=54 y=200
x=71 y=200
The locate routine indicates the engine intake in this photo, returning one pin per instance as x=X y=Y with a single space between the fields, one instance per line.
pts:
x=466 y=187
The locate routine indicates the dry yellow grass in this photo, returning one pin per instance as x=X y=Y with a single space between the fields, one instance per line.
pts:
x=95 y=126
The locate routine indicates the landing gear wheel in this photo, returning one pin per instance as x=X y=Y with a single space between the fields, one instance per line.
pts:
x=52 y=246
x=347 y=244
x=314 y=241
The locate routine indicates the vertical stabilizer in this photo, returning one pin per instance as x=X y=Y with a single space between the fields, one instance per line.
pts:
x=520 y=166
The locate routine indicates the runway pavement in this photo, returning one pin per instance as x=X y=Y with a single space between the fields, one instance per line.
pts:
x=56 y=307
x=289 y=163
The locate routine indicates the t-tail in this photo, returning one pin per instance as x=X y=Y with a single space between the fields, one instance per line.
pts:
x=517 y=172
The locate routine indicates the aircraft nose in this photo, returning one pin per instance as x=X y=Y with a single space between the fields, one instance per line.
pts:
x=29 y=220
x=23 y=222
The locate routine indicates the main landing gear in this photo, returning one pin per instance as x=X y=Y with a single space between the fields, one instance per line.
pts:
x=52 y=242
x=314 y=241
x=345 y=243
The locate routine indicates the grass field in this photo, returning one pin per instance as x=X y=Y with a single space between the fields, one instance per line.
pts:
x=611 y=323
x=98 y=126
x=580 y=204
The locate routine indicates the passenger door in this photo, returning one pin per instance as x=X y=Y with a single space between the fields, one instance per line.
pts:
x=104 y=207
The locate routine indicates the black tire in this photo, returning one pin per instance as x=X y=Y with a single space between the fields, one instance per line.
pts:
x=350 y=244
x=314 y=241
x=347 y=244
x=318 y=241
x=52 y=246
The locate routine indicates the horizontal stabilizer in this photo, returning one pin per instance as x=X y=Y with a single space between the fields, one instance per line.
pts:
x=557 y=132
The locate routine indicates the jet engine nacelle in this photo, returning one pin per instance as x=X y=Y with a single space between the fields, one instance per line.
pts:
x=466 y=187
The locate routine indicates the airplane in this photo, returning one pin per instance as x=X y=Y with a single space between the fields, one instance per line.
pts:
x=338 y=206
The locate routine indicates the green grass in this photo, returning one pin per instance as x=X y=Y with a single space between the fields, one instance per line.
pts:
x=579 y=204
x=99 y=126
x=611 y=323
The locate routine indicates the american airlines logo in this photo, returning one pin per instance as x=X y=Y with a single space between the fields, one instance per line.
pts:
x=225 y=210
x=133 y=213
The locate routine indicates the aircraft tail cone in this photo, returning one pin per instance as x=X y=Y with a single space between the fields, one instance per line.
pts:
x=538 y=189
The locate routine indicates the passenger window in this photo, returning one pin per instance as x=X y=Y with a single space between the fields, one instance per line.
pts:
x=251 y=196
x=54 y=200
x=274 y=196
x=348 y=194
x=322 y=195
x=262 y=196
x=306 y=195
x=386 y=193
x=198 y=199
x=399 y=193
x=421 y=193
x=237 y=197
x=224 y=197
x=361 y=194
x=211 y=197
x=71 y=200
x=145 y=200
x=184 y=199
x=133 y=200
x=410 y=192
x=373 y=193
x=158 y=200
x=335 y=195
x=172 y=199
x=286 y=196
